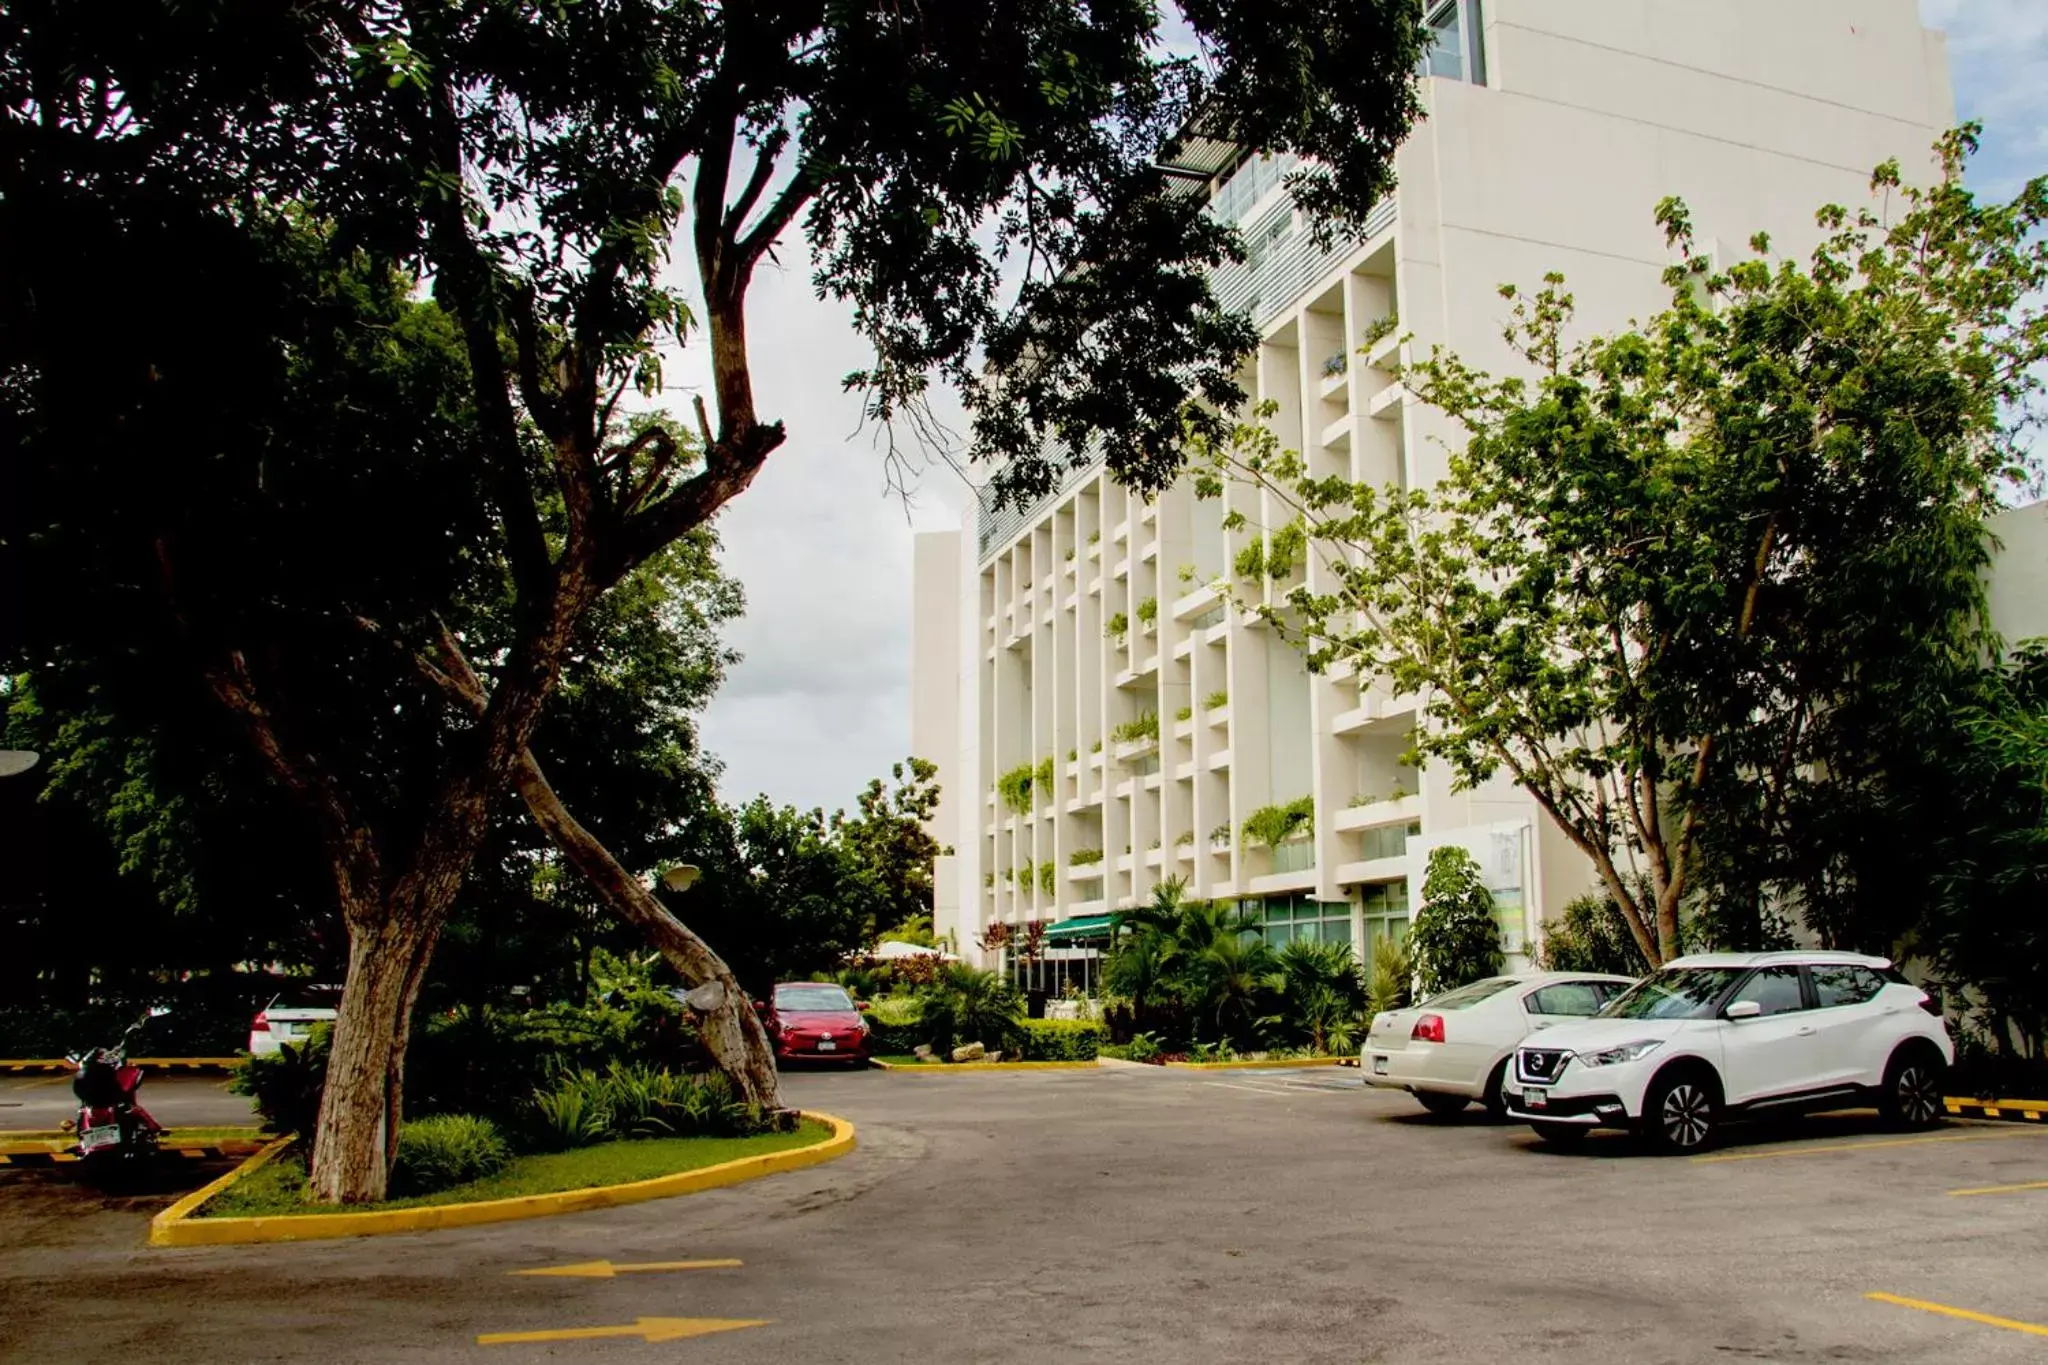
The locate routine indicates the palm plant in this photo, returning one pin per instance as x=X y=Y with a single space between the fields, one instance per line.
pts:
x=1324 y=990
x=1392 y=979
x=1236 y=970
x=971 y=1005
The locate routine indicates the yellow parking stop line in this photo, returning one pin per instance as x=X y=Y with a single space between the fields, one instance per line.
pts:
x=1873 y=1146
x=2009 y=1324
x=2005 y=1189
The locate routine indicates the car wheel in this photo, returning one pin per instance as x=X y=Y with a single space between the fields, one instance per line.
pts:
x=1441 y=1104
x=1912 y=1095
x=1561 y=1135
x=1495 y=1102
x=1681 y=1113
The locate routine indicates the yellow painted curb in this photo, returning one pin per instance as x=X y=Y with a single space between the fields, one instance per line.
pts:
x=1270 y=1062
x=176 y=1227
x=2019 y=1111
x=922 y=1067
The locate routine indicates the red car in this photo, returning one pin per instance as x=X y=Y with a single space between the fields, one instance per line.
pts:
x=815 y=1021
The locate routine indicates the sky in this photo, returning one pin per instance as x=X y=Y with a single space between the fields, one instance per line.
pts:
x=821 y=700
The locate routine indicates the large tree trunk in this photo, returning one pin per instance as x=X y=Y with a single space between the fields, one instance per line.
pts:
x=732 y=1032
x=356 y=1136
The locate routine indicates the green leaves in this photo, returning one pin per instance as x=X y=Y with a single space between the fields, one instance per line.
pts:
x=1454 y=939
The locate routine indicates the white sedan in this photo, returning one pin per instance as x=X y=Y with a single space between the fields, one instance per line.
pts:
x=1454 y=1048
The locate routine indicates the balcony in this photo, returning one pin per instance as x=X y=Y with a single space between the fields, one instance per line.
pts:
x=1397 y=811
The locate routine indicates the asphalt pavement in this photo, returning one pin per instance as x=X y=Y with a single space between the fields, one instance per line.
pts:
x=1132 y=1214
x=174 y=1099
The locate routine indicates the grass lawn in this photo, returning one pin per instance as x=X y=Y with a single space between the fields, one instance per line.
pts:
x=280 y=1187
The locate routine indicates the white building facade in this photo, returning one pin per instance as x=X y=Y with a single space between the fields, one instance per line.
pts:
x=1554 y=128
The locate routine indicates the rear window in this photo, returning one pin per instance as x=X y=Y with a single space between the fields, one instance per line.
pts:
x=1469 y=995
x=812 y=997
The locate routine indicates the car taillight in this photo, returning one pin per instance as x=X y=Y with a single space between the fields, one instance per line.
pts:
x=261 y=1024
x=1428 y=1029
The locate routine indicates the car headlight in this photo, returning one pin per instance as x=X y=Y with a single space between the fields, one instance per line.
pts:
x=1627 y=1052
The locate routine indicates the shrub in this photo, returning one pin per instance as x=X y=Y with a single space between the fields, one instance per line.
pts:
x=1014 y=787
x=1590 y=936
x=1061 y=1040
x=1148 y=610
x=573 y=1114
x=1185 y=713
x=1041 y=777
x=1187 y=574
x=286 y=1084
x=1143 y=1047
x=1286 y=547
x=1048 y=876
x=1455 y=938
x=1251 y=560
x=1220 y=834
x=1186 y=836
x=1145 y=726
x=1082 y=856
x=1270 y=825
x=1392 y=978
x=969 y=1005
x=446 y=1150
x=1116 y=627
x=1216 y=700
x=896 y=1025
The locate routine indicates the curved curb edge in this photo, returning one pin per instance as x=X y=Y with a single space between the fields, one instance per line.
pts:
x=176 y=1227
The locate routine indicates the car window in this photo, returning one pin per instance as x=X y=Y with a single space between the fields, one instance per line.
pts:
x=1845 y=985
x=1469 y=995
x=812 y=996
x=1775 y=990
x=1564 y=997
x=1674 y=993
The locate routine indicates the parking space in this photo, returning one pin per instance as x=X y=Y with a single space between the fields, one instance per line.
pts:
x=177 y=1099
x=1140 y=1214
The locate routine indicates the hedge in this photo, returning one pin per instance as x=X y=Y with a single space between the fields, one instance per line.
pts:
x=1061 y=1040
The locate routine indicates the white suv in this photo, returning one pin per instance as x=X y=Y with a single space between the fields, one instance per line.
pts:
x=1720 y=1035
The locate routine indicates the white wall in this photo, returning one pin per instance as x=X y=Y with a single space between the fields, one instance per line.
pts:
x=2019 y=573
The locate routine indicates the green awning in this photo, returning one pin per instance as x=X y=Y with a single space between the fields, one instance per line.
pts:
x=1081 y=926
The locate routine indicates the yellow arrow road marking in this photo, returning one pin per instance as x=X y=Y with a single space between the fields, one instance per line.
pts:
x=647 y=1329
x=605 y=1270
x=2009 y=1324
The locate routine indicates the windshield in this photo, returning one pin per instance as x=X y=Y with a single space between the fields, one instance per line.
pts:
x=1687 y=993
x=812 y=997
x=1469 y=995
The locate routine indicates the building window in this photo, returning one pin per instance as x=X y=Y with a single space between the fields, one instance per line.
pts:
x=1457 y=45
x=1284 y=919
x=1386 y=841
x=1386 y=914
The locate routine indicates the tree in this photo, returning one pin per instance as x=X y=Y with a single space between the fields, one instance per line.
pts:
x=1325 y=992
x=1590 y=935
x=1455 y=938
x=1699 y=588
x=535 y=163
x=888 y=839
x=1983 y=930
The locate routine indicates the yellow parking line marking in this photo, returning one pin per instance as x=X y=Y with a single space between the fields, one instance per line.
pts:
x=2005 y=1189
x=605 y=1270
x=1870 y=1146
x=2009 y=1324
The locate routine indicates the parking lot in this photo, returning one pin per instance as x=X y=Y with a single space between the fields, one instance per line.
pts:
x=1134 y=1214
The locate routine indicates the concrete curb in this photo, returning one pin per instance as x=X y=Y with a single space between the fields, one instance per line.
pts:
x=926 y=1068
x=19 y=1064
x=1270 y=1063
x=176 y=1227
x=2012 y=1111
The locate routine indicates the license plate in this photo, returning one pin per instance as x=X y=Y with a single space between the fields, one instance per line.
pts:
x=94 y=1138
x=1535 y=1099
x=827 y=1045
x=1379 y=1066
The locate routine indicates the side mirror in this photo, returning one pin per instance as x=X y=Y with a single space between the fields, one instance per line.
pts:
x=1742 y=1009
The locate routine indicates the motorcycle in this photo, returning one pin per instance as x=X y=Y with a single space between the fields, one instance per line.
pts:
x=111 y=1124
